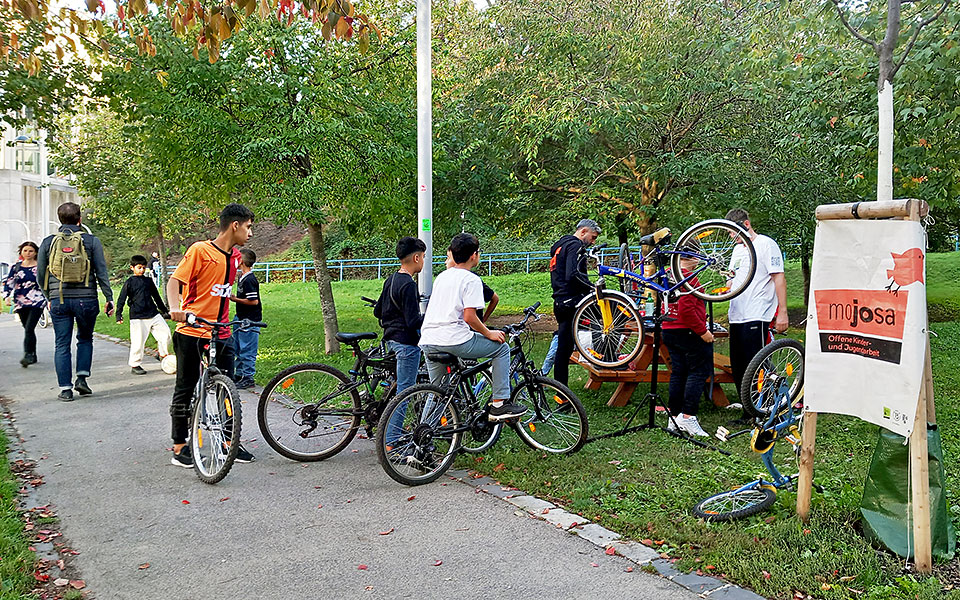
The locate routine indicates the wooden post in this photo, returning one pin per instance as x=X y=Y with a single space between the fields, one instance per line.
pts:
x=920 y=488
x=805 y=483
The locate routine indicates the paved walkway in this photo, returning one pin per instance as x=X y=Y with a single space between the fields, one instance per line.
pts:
x=273 y=528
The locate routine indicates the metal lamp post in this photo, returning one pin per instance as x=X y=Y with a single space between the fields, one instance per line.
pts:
x=425 y=146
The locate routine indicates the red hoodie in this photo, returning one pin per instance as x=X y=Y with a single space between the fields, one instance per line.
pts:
x=689 y=311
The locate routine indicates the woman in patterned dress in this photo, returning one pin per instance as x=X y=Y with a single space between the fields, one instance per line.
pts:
x=28 y=299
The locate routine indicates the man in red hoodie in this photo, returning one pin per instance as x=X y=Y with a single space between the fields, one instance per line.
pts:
x=690 y=344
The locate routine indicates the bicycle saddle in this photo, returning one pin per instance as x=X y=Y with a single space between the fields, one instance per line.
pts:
x=353 y=338
x=444 y=358
x=657 y=238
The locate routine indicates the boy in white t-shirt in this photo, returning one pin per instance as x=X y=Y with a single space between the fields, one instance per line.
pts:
x=751 y=312
x=455 y=306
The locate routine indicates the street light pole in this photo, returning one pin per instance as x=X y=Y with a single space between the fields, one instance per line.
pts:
x=425 y=145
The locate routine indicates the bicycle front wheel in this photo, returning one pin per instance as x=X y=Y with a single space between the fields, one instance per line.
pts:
x=724 y=270
x=735 y=504
x=309 y=412
x=555 y=421
x=608 y=332
x=417 y=439
x=779 y=363
x=215 y=430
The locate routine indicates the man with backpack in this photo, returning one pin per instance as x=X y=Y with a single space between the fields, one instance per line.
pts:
x=70 y=264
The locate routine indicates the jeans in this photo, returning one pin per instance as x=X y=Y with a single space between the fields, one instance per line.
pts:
x=408 y=363
x=691 y=363
x=564 y=314
x=29 y=317
x=63 y=314
x=746 y=339
x=189 y=350
x=246 y=342
x=477 y=347
x=551 y=357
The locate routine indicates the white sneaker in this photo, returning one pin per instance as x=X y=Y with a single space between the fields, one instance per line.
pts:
x=734 y=406
x=691 y=426
x=671 y=426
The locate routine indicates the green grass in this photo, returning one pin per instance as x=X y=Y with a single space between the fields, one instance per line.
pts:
x=643 y=485
x=16 y=559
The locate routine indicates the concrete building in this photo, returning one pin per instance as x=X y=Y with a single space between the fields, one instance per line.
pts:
x=30 y=191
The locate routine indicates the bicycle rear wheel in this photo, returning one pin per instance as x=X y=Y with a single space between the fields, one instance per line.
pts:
x=307 y=413
x=555 y=421
x=778 y=362
x=625 y=262
x=735 y=504
x=215 y=429
x=608 y=332
x=416 y=441
x=714 y=242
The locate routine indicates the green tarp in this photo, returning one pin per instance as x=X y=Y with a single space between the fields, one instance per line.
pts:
x=885 y=507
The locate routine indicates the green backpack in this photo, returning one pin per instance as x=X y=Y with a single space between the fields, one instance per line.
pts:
x=68 y=260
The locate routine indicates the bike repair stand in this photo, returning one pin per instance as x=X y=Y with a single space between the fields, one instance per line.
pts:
x=653 y=398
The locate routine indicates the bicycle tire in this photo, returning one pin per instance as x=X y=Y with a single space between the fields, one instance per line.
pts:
x=599 y=347
x=716 y=238
x=483 y=435
x=213 y=430
x=735 y=504
x=541 y=425
x=410 y=455
x=625 y=263
x=779 y=359
x=280 y=406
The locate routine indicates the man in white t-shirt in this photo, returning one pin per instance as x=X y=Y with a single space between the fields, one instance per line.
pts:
x=455 y=306
x=751 y=312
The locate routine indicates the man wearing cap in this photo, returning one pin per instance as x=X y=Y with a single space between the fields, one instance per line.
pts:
x=568 y=277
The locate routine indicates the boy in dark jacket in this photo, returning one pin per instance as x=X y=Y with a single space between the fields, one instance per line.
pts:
x=398 y=309
x=568 y=277
x=146 y=310
x=690 y=344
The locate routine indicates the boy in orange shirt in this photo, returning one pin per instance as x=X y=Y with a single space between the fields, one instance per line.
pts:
x=202 y=285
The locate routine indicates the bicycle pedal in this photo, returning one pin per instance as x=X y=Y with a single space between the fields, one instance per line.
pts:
x=722 y=433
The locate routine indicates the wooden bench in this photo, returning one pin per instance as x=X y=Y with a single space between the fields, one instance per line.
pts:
x=639 y=371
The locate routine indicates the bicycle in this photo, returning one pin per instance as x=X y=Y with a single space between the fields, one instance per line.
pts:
x=774 y=401
x=215 y=417
x=608 y=327
x=312 y=411
x=421 y=430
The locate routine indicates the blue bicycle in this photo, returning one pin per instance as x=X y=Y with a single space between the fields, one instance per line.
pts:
x=772 y=391
x=608 y=327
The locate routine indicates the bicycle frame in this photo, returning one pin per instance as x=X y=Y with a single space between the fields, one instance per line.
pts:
x=659 y=258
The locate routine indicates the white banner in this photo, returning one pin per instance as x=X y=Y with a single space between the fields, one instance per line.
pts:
x=866 y=322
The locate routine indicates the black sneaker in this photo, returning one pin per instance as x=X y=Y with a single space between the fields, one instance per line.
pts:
x=182 y=459
x=243 y=456
x=244 y=384
x=25 y=361
x=31 y=358
x=65 y=395
x=138 y=370
x=81 y=386
x=506 y=411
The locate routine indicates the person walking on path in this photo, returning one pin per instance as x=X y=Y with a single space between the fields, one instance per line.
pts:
x=146 y=310
x=22 y=287
x=201 y=285
x=249 y=307
x=568 y=278
x=70 y=265
x=690 y=345
x=751 y=312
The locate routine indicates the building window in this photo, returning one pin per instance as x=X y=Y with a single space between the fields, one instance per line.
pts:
x=28 y=160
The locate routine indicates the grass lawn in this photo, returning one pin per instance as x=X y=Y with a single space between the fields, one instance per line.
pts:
x=16 y=559
x=643 y=485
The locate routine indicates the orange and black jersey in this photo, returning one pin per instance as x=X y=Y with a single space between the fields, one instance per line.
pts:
x=206 y=275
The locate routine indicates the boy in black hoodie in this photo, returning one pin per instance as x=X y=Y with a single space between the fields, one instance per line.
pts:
x=568 y=277
x=398 y=309
x=146 y=310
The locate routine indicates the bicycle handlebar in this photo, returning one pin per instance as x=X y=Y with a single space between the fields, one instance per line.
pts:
x=369 y=301
x=193 y=320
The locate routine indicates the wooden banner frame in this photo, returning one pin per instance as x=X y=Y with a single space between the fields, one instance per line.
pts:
x=912 y=210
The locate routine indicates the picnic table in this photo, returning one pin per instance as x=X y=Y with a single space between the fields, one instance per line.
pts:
x=639 y=371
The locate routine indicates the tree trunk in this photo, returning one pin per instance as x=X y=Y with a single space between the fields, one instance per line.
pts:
x=325 y=287
x=620 y=221
x=805 y=269
x=648 y=199
x=162 y=278
x=885 y=102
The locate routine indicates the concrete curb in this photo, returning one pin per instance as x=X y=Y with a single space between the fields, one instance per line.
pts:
x=608 y=541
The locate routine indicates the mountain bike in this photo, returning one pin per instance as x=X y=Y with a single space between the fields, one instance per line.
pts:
x=607 y=325
x=312 y=411
x=776 y=379
x=215 y=417
x=422 y=429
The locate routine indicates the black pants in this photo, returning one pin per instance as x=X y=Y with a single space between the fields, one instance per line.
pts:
x=746 y=339
x=189 y=351
x=691 y=362
x=29 y=317
x=564 y=314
